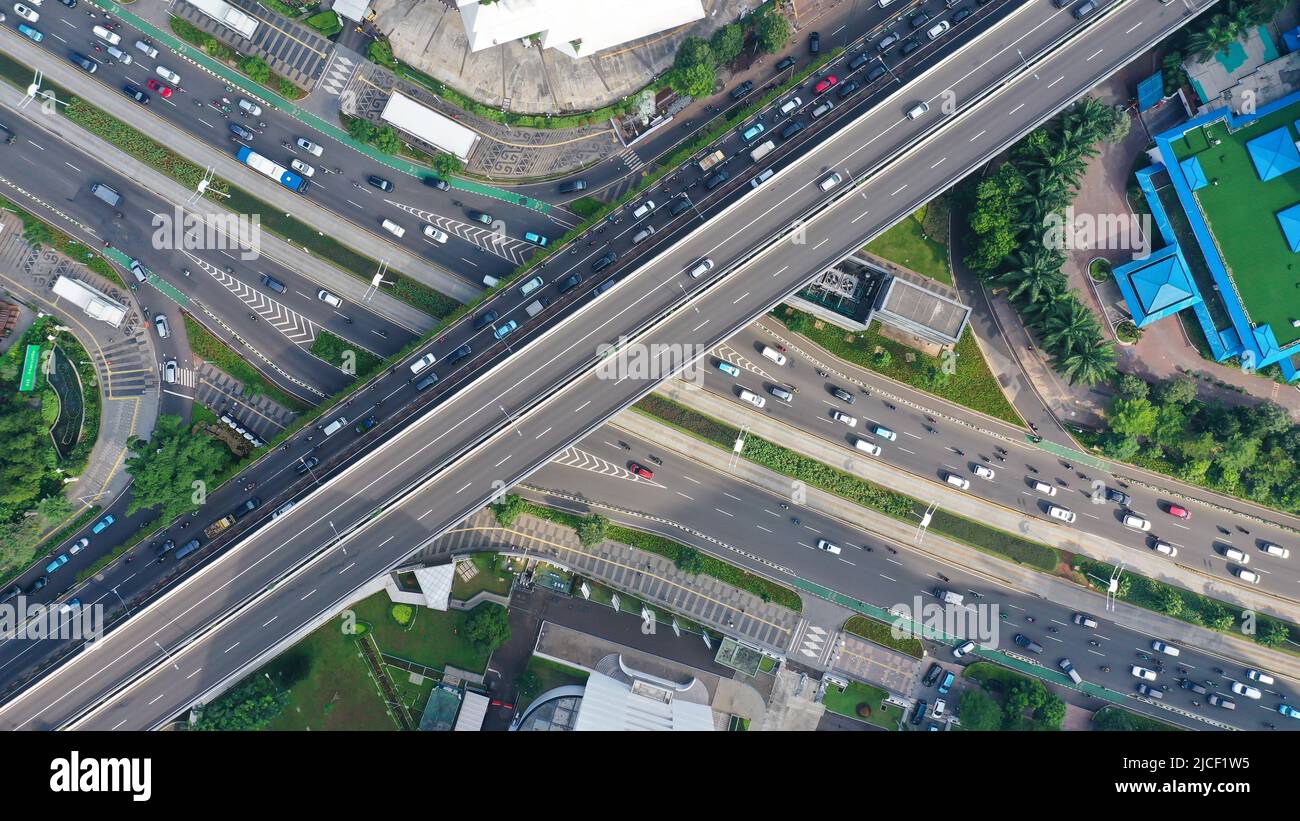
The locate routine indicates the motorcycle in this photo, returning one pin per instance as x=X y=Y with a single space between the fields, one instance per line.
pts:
x=656 y=460
x=1105 y=669
x=185 y=271
x=783 y=505
x=1094 y=643
x=1029 y=619
x=794 y=520
x=1053 y=630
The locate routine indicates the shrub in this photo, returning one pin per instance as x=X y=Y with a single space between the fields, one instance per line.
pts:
x=403 y=614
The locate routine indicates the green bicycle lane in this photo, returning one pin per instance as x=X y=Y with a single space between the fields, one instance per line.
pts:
x=153 y=279
x=239 y=81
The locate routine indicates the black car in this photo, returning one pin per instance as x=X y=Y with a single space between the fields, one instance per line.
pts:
x=479 y=216
x=457 y=355
x=910 y=46
x=784 y=63
x=717 y=179
x=814 y=42
x=379 y=182
x=241 y=132
x=842 y=395
x=573 y=185
x=961 y=14
x=604 y=262
x=569 y=284
x=1028 y=643
x=72 y=4
x=859 y=61
x=919 y=19
x=87 y=64
x=167 y=547
x=484 y=319
x=919 y=713
x=306 y=465
x=848 y=88
x=1119 y=497
x=135 y=94
x=876 y=73
x=680 y=204
x=742 y=89
x=12 y=594
x=38 y=584
x=932 y=675
x=791 y=129
x=438 y=183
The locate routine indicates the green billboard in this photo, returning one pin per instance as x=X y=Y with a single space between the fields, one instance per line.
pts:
x=30 y=363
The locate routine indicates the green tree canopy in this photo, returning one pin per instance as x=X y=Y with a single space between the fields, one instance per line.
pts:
x=166 y=467
x=592 y=529
x=727 y=43
x=772 y=32
x=488 y=626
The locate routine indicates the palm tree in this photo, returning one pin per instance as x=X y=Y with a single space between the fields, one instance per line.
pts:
x=1035 y=271
x=1090 y=364
x=1069 y=327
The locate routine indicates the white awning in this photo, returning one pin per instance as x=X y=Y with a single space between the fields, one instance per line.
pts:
x=594 y=24
x=473 y=709
x=424 y=123
x=354 y=10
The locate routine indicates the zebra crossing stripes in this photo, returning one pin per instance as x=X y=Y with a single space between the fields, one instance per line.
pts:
x=295 y=327
x=338 y=75
x=729 y=354
x=185 y=377
x=582 y=460
x=510 y=249
x=630 y=159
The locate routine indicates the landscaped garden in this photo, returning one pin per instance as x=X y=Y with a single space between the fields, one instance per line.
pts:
x=864 y=703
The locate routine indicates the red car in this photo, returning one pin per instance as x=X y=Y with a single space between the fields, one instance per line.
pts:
x=1180 y=512
x=826 y=84
x=641 y=470
x=161 y=88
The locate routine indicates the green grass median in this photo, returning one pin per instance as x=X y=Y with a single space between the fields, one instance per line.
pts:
x=345 y=356
x=210 y=349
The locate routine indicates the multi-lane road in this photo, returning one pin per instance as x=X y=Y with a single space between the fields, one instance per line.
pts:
x=496 y=430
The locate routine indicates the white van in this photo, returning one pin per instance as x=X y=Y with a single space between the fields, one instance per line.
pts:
x=118 y=55
x=534 y=308
x=1161 y=647
x=752 y=398
x=761 y=178
x=490 y=281
x=791 y=104
x=147 y=48
x=393 y=228
x=957 y=480
x=531 y=285
x=335 y=426
x=106 y=35
x=643 y=209
x=829 y=547
x=866 y=446
x=1261 y=677
x=281 y=510
x=774 y=355
x=1057 y=512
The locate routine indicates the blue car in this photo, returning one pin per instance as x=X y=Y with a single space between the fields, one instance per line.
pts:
x=729 y=369
x=1288 y=710
x=31 y=33
x=56 y=563
x=505 y=329
x=103 y=524
x=946 y=684
x=536 y=239
x=752 y=132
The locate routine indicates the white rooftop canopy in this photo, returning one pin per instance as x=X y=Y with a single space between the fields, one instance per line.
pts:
x=594 y=24
x=423 y=122
x=354 y=10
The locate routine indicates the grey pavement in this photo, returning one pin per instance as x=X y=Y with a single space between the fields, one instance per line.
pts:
x=431 y=37
x=123 y=358
x=227 y=167
x=998 y=570
x=648 y=576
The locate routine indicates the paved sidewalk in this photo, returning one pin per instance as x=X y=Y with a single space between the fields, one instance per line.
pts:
x=901 y=534
x=123 y=358
x=227 y=167
x=648 y=576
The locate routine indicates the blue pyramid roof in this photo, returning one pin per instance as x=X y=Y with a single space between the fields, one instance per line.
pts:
x=1161 y=284
x=1274 y=153
x=1193 y=173
x=1289 y=219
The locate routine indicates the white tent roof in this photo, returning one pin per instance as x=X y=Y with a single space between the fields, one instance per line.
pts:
x=96 y=304
x=423 y=122
x=435 y=584
x=473 y=709
x=598 y=24
x=354 y=10
x=610 y=704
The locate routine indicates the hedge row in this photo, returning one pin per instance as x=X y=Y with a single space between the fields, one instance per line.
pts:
x=880 y=633
x=335 y=349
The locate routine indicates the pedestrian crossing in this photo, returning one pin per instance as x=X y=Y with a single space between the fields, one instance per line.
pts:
x=185 y=378
x=338 y=75
x=630 y=159
x=515 y=251
x=295 y=327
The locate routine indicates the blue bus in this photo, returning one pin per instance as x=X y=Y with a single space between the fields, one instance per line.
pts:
x=284 y=176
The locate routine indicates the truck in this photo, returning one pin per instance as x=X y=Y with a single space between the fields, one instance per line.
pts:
x=948 y=597
x=710 y=160
x=762 y=151
x=219 y=525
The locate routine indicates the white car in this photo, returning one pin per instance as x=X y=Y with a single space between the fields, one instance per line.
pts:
x=1058 y=512
x=1234 y=555
x=643 y=209
x=940 y=708
x=1246 y=575
x=423 y=362
x=962 y=649
x=1275 y=550
x=752 y=398
x=957 y=480
x=168 y=75
x=301 y=167
x=251 y=107
x=1044 y=488
x=26 y=13
x=937 y=30
x=435 y=235
x=867 y=446
x=107 y=36
x=829 y=547
x=1243 y=689
x=830 y=182
x=1143 y=673
x=170 y=371
x=1136 y=522
x=80 y=545
x=329 y=299
x=1161 y=647
x=851 y=421
x=983 y=472
x=308 y=146
x=1258 y=675
x=1165 y=548
x=160 y=323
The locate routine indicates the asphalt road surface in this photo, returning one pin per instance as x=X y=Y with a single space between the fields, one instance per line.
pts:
x=504 y=404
